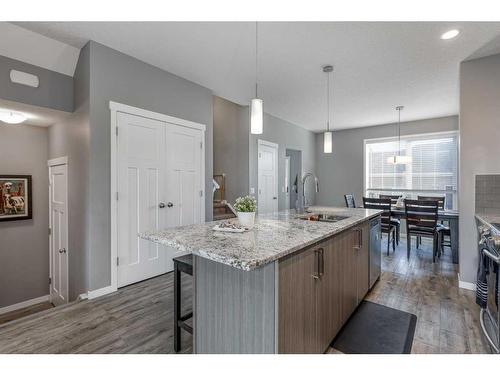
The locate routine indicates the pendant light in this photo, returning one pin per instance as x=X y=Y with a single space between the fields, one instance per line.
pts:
x=399 y=159
x=328 y=135
x=256 y=105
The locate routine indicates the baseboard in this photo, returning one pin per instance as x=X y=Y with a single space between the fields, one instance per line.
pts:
x=100 y=292
x=22 y=305
x=465 y=284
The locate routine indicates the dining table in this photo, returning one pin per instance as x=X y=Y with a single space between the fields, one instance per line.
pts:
x=449 y=217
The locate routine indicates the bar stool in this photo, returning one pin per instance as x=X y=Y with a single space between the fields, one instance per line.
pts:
x=184 y=264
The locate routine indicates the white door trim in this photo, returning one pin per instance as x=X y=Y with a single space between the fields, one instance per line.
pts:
x=57 y=161
x=267 y=143
x=118 y=107
x=114 y=109
x=52 y=163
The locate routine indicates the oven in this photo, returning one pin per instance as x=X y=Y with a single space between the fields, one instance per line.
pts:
x=489 y=246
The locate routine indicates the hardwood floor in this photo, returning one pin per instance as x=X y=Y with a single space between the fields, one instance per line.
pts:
x=136 y=319
x=447 y=316
x=139 y=318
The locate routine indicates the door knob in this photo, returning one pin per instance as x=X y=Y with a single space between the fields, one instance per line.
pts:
x=170 y=204
x=161 y=205
x=63 y=250
x=275 y=197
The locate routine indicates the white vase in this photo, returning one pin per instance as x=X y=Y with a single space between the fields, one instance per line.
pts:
x=246 y=219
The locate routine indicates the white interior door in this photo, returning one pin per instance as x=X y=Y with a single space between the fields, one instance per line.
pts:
x=141 y=189
x=160 y=184
x=267 y=177
x=58 y=195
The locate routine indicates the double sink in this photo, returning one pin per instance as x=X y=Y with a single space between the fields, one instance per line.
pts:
x=329 y=218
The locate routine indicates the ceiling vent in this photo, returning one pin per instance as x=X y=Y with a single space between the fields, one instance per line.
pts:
x=23 y=78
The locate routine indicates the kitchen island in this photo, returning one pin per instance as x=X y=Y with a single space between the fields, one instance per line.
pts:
x=287 y=286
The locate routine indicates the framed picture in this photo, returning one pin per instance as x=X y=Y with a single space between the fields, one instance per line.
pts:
x=15 y=198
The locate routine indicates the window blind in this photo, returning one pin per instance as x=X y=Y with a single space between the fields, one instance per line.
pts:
x=432 y=171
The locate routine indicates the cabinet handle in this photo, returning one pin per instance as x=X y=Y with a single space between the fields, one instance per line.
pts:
x=317 y=264
x=322 y=262
x=358 y=246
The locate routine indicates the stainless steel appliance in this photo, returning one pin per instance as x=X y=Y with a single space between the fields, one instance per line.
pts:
x=375 y=250
x=489 y=246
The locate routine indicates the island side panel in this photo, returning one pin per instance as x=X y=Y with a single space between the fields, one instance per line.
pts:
x=234 y=309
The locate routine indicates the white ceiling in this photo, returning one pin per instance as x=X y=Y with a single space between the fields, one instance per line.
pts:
x=377 y=65
x=36 y=116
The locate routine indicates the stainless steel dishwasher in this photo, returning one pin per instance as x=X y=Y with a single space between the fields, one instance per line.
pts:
x=375 y=250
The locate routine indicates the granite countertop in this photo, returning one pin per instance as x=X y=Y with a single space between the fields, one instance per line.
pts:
x=488 y=219
x=274 y=236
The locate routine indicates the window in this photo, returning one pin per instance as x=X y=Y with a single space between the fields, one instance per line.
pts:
x=432 y=171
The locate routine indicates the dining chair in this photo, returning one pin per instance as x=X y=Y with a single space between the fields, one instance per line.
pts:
x=349 y=201
x=387 y=226
x=395 y=221
x=421 y=221
x=442 y=227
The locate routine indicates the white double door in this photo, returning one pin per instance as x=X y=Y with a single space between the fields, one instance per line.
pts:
x=160 y=183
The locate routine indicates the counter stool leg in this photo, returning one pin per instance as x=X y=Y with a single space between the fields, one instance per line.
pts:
x=177 y=309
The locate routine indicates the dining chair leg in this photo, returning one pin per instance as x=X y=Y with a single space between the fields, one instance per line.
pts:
x=442 y=243
x=417 y=240
x=398 y=234
x=394 y=241
x=439 y=244
x=434 y=249
x=388 y=241
x=408 y=245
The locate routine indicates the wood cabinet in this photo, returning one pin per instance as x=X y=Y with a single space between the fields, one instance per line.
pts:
x=297 y=303
x=319 y=288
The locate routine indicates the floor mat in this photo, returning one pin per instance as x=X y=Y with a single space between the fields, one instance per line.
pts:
x=377 y=329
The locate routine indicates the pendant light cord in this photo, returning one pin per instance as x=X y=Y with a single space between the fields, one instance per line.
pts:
x=399 y=131
x=256 y=57
x=328 y=102
x=399 y=108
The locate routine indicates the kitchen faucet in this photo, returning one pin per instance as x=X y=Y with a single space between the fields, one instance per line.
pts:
x=303 y=207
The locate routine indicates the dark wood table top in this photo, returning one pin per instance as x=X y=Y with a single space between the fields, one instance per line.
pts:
x=396 y=211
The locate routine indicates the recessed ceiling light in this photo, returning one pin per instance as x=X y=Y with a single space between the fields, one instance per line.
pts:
x=450 y=34
x=12 y=117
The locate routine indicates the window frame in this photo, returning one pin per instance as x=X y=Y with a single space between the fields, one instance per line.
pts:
x=454 y=133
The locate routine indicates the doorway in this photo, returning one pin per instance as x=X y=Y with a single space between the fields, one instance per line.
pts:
x=267 y=176
x=58 y=230
x=294 y=185
x=158 y=182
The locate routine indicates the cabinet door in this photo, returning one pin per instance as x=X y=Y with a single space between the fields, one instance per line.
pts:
x=348 y=261
x=329 y=294
x=297 y=303
x=363 y=261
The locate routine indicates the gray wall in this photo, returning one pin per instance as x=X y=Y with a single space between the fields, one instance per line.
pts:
x=54 y=91
x=71 y=138
x=118 y=77
x=287 y=136
x=341 y=172
x=231 y=136
x=24 y=245
x=479 y=150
